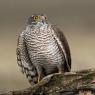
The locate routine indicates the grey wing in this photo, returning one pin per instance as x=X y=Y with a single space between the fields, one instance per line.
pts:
x=23 y=60
x=62 y=42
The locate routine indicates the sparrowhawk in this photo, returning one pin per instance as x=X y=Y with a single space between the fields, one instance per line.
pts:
x=42 y=49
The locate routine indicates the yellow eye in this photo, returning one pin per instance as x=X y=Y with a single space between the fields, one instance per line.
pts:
x=35 y=18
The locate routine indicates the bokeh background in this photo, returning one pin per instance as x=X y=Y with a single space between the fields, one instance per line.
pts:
x=75 y=17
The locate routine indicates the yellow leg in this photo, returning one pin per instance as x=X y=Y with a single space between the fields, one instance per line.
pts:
x=40 y=77
x=61 y=71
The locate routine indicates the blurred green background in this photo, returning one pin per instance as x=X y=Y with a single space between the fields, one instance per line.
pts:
x=75 y=17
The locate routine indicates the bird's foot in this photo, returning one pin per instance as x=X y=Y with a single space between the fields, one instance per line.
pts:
x=61 y=72
x=40 y=77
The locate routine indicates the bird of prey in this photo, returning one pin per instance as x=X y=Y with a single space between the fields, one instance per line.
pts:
x=42 y=49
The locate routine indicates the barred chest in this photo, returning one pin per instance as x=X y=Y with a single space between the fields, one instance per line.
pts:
x=42 y=46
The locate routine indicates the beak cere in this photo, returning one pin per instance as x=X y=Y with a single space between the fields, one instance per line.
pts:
x=42 y=17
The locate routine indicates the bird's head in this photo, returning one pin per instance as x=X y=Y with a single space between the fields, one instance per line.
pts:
x=40 y=18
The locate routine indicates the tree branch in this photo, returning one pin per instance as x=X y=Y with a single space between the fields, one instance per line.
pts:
x=58 y=84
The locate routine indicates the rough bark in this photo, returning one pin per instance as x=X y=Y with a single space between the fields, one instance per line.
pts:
x=73 y=83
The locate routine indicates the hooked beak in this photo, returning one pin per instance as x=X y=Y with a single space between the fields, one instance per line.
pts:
x=43 y=21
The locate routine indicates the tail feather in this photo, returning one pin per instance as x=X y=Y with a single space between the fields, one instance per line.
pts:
x=31 y=76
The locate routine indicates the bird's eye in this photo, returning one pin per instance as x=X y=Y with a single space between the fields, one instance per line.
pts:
x=35 y=18
x=45 y=18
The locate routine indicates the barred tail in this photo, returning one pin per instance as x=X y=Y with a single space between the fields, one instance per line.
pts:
x=31 y=75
